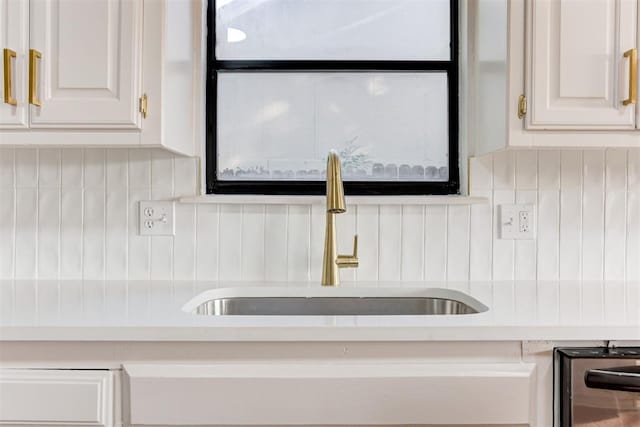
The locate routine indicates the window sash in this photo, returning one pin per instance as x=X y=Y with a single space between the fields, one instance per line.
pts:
x=282 y=187
x=333 y=30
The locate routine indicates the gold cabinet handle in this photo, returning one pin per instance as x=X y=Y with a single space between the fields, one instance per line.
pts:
x=142 y=104
x=34 y=55
x=632 y=54
x=8 y=77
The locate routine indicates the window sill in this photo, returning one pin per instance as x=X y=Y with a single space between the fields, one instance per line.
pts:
x=227 y=199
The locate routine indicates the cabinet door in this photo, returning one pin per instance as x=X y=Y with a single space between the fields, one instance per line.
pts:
x=88 y=75
x=337 y=394
x=14 y=39
x=578 y=76
x=43 y=397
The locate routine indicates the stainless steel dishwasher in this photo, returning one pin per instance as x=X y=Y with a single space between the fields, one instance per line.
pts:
x=597 y=387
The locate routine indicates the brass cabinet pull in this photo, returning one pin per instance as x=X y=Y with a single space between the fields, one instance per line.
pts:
x=142 y=104
x=8 y=77
x=34 y=55
x=633 y=71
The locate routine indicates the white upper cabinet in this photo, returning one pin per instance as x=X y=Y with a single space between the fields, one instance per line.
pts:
x=552 y=74
x=103 y=73
x=14 y=45
x=579 y=77
x=86 y=56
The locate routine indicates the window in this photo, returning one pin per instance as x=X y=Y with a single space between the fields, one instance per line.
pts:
x=376 y=80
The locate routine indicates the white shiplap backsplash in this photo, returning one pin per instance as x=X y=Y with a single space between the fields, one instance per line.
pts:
x=72 y=213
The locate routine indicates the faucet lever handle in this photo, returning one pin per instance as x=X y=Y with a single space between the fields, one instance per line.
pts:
x=355 y=246
x=350 y=261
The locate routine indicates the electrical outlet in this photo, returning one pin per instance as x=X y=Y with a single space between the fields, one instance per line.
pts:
x=517 y=222
x=524 y=224
x=157 y=218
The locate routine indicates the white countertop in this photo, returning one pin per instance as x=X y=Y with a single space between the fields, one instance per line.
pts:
x=32 y=310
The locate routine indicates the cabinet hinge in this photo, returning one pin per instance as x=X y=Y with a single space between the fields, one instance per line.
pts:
x=142 y=105
x=522 y=106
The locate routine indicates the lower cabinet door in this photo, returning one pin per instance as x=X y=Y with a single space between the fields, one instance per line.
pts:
x=56 y=397
x=326 y=394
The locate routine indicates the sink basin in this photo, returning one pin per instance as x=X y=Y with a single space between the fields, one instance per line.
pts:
x=338 y=306
x=333 y=302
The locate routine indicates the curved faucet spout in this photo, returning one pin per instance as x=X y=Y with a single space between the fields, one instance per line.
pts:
x=332 y=262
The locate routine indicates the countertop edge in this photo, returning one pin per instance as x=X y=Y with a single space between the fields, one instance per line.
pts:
x=318 y=333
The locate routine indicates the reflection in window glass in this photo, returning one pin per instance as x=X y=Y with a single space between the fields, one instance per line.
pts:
x=280 y=126
x=333 y=29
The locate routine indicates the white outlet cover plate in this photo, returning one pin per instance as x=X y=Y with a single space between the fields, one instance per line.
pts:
x=157 y=218
x=517 y=222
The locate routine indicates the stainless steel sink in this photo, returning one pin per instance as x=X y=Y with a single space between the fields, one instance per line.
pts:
x=337 y=302
x=340 y=306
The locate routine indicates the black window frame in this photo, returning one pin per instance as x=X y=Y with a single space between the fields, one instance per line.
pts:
x=281 y=187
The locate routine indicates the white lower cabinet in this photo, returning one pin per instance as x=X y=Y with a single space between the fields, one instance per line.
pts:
x=42 y=397
x=337 y=394
x=188 y=384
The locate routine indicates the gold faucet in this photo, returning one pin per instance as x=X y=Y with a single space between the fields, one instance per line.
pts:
x=332 y=262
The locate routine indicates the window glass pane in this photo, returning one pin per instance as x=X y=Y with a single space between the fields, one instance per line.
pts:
x=386 y=126
x=333 y=29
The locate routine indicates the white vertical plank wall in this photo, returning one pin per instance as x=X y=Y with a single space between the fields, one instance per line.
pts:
x=72 y=213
